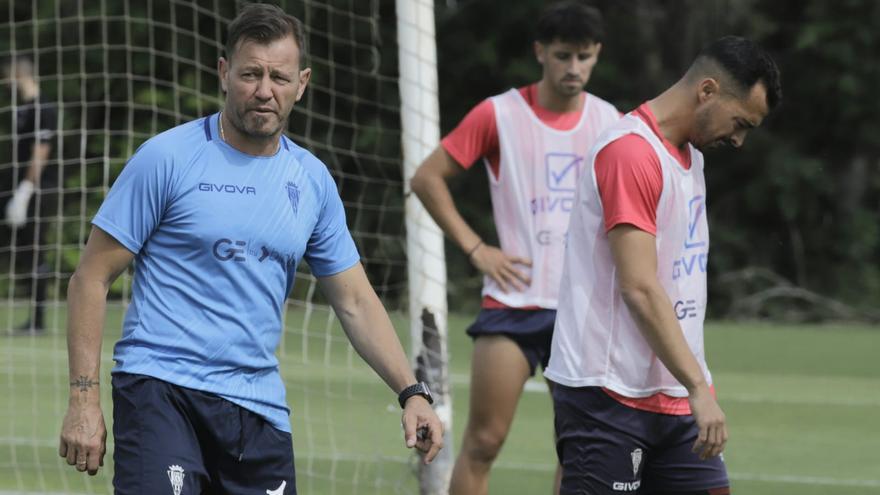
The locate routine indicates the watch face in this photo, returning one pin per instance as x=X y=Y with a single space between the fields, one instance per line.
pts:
x=427 y=392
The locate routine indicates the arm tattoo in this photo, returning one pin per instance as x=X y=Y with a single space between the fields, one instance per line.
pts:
x=84 y=383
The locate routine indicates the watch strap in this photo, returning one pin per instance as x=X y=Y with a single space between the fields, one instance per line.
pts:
x=416 y=389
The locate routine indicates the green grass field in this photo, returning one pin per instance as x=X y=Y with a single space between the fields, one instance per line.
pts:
x=802 y=404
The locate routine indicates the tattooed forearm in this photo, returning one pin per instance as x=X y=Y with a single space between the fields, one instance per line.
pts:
x=84 y=383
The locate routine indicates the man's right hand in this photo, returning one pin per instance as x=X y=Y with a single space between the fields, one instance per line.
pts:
x=500 y=266
x=711 y=422
x=84 y=437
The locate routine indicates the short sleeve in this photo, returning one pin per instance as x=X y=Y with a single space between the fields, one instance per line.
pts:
x=630 y=182
x=135 y=205
x=476 y=136
x=331 y=249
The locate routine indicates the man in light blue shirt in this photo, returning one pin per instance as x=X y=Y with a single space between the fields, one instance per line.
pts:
x=218 y=213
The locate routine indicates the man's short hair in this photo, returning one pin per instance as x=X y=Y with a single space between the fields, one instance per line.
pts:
x=570 y=21
x=744 y=62
x=264 y=23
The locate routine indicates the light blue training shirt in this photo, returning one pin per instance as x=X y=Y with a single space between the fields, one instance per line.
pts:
x=217 y=235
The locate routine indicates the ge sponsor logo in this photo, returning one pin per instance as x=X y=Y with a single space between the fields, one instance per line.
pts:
x=548 y=237
x=227 y=249
x=227 y=188
x=685 y=309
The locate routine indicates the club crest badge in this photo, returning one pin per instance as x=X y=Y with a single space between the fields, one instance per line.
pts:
x=176 y=475
x=636 y=456
x=293 y=196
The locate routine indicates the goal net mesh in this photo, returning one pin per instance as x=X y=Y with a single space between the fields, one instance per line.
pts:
x=115 y=73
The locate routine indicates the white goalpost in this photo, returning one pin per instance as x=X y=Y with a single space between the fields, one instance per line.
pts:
x=427 y=264
x=117 y=72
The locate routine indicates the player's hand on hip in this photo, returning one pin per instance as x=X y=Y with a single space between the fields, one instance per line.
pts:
x=422 y=428
x=17 y=206
x=502 y=267
x=711 y=422
x=84 y=437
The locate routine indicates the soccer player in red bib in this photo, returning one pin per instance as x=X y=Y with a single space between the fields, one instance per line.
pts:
x=634 y=403
x=532 y=141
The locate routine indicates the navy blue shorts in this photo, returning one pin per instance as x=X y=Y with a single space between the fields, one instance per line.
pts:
x=532 y=330
x=606 y=448
x=180 y=441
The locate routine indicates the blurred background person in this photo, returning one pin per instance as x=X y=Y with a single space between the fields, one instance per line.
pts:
x=28 y=192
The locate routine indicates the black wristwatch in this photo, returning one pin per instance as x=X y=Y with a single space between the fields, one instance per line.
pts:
x=420 y=388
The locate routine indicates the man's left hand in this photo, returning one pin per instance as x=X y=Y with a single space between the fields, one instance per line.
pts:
x=422 y=428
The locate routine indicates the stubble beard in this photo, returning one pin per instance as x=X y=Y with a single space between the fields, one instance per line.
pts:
x=701 y=125
x=569 y=90
x=253 y=126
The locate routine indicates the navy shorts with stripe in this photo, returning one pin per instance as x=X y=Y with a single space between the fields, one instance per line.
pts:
x=608 y=448
x=532 y=330
x=175 y=440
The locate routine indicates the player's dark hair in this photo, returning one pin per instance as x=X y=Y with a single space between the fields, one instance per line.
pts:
x=264 y=23
x=570 y=21
x=745 y=62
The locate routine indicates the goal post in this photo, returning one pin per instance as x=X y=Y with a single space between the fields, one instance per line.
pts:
x=426 y=265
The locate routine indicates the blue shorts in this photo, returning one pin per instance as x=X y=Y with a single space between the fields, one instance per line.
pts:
x=607 y=448
x=532 y=330
x=176 y=440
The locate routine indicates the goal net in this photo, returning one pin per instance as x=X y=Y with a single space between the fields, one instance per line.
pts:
x=112 y=74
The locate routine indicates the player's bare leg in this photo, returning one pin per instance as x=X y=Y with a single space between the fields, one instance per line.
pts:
x=498 y=372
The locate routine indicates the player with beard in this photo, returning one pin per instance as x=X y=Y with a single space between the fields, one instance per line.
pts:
x=199 y=403
x=634 y=402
